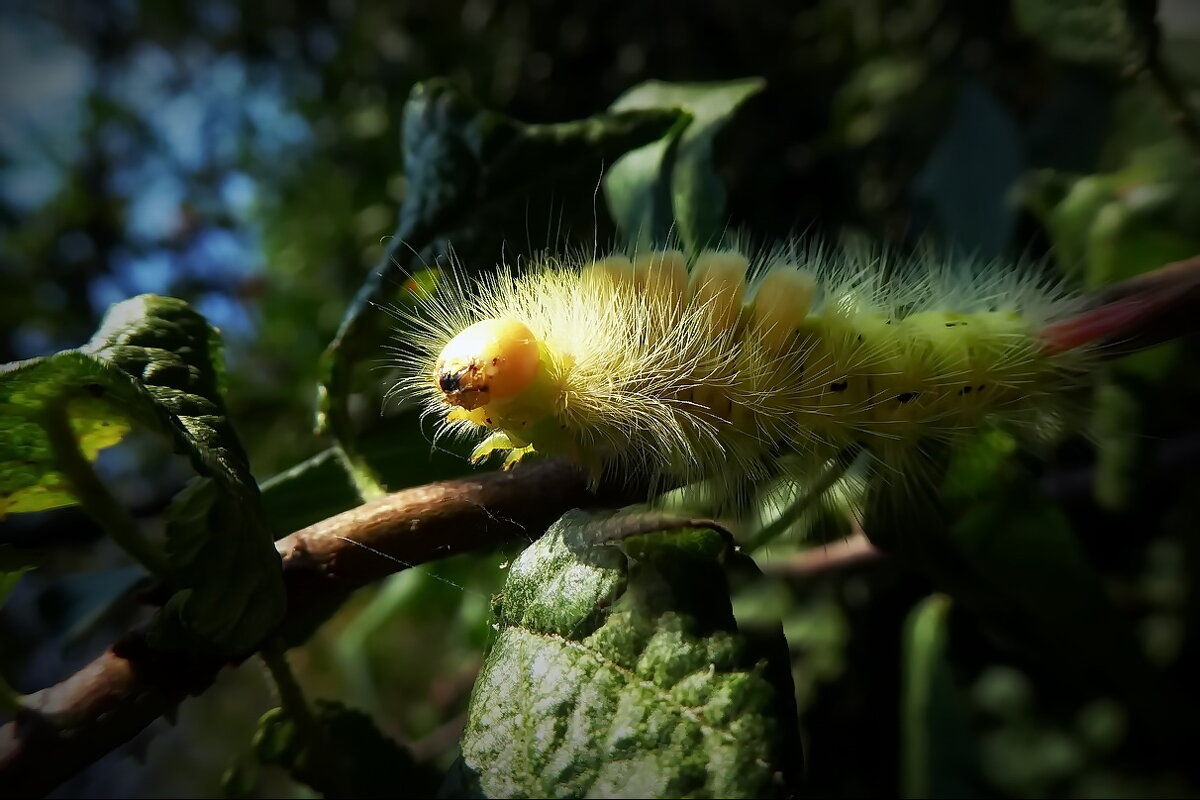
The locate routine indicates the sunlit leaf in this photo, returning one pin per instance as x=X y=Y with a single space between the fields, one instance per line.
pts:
x=619 y=670
x=672 y=184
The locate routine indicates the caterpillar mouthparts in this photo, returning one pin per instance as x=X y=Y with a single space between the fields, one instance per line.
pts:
x=668 y=369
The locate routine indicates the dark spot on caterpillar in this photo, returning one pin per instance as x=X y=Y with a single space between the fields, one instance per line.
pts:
x=94 y=389
x=450 y=382
x=495 y=361
x=860 y=338
x=488 y=420
x=906 y=397
x=981 y=386
x=887 y=322
x=466 y=387
x=951 y=324
x=838 y=386
x=965 y=390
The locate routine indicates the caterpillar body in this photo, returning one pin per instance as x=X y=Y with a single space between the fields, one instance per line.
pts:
x=667 y=369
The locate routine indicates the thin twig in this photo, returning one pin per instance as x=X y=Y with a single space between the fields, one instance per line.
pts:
x=811 y=494
x=855 y=550
x=291 y=696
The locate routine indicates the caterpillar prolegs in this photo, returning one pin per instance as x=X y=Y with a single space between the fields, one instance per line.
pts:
x=666 y=369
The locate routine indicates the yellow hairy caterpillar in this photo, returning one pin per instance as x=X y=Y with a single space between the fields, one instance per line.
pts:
x=665 y=368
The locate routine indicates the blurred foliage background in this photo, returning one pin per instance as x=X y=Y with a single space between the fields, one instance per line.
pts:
x=246 y=157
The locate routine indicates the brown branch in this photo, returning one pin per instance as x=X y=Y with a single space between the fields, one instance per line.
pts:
x=68 y=726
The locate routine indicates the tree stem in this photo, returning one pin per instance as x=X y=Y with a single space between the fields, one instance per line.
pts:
x=92 y=494
x=291 y=696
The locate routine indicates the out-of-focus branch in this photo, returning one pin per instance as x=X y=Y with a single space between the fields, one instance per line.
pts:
x=853 y=551
x=66 y=727
x=1135 y=314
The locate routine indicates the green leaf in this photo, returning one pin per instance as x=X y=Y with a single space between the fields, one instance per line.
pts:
x=939 y=756
x=233 y=595
x=313 y=490
x=224 y=556
x=29 y=478
x=1095 y=32
x=672 y=183
x=874 y=98
x=339 y=752
x=474 y=180
x=157 y=363
x=619 y=670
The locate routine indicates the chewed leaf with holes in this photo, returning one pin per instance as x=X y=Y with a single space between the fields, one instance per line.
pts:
x=619 y=670
x=155 y=363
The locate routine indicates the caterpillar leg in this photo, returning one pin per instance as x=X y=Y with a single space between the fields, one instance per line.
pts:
x=498 y=441
x=514 y=457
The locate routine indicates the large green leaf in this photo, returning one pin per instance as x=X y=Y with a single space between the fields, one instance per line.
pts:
x=475 y=180
x=672 y=184
x=619 y=670
x=156 y=363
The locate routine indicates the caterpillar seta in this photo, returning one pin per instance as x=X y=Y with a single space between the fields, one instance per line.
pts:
x=664 y=369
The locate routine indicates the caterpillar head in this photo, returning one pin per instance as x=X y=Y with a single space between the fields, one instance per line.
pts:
x=492 y=360
x=494 y=374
